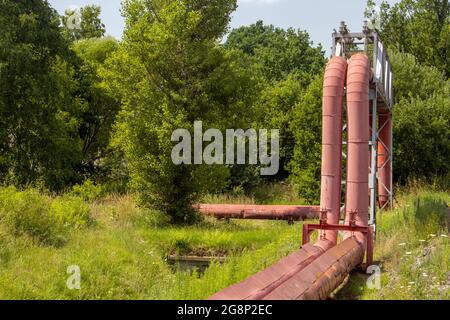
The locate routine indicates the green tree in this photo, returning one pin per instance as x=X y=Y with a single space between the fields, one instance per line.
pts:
x=169 y=72
x=287 y=61
x=278 y=51
x=421 y=119
x=83 y=24
x=98 y=109
x=418 y=27
x=38 y=130
x=306 y=127
x=276 y=106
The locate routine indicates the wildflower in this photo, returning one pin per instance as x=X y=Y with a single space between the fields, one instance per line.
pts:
x=444 y=236
x=402 y=244
x=408 y=253
x=422 y=240
x=411 y=283
x=424 y=275
x=432 y=235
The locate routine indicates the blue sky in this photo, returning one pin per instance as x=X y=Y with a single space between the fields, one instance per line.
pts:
x=318 y=17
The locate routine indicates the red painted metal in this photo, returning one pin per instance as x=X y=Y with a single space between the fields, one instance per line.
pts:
x=384 y=163
x=333 y=96
x=322 y=276
x=357 y=199
x=231 y=211
x=260 y=285
x=352 y=229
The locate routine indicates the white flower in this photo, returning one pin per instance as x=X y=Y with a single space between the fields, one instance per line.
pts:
x=444 y=236
x=424 y=274
x=411 y=283
x=409 y=253
x=402 y=244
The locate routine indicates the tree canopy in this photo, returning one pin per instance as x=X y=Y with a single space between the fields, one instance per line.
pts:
x=84 y=23
x=418 y=27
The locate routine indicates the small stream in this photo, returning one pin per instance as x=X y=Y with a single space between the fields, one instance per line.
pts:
x=192 y=263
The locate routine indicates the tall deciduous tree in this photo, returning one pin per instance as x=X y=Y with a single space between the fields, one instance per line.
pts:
x=98 y=110
x=169 y=72
x=38 y=130
x=421 y=119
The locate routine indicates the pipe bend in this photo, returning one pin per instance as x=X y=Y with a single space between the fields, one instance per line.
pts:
x=357 y=199
x=330 y=194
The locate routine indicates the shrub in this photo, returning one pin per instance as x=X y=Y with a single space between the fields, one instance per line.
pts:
x=70 y=211
x=26 y=213
x=88 y=190
x=46 y=220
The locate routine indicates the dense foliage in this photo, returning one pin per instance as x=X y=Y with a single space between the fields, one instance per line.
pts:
x=418 y=27
x=78 y=108
x=168 y=73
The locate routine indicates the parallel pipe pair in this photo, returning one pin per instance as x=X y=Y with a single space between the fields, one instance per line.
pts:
x=314 y=271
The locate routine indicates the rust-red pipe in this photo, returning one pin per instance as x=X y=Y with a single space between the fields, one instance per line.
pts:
x=324 y=275
x=357 y=199
x=384 y=162
x=333 y=95
x=260 y=285
x=259 y=212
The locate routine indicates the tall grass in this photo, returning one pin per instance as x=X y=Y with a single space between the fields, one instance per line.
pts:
x=121 y=249
x=412 y=249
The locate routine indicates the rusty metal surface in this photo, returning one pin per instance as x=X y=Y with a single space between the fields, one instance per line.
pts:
x=260 y=285
x=358 y=132
x=321 y=277
x=333 y=97
x=262 y=212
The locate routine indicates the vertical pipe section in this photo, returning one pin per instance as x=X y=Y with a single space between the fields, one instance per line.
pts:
x=384 y=160
x=357 y=200
x=333 y=96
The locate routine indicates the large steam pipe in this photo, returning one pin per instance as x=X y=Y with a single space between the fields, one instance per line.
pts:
x=357 y=199
x=259 y=212
x=324 y=275
x=333 y=96
x=260 y=285
x=384 y=161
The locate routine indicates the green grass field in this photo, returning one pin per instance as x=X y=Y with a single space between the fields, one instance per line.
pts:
x=122 y=250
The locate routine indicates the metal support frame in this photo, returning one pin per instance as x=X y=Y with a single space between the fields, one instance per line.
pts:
x=390 y=192
x=351 y=227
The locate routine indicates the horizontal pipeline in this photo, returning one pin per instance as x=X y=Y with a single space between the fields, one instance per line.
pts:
x=307 y=274
x=259 y=212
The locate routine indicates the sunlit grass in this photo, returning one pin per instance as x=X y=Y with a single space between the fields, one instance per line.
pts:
x=123 y=256
x=412 y=249
x=123 y=253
